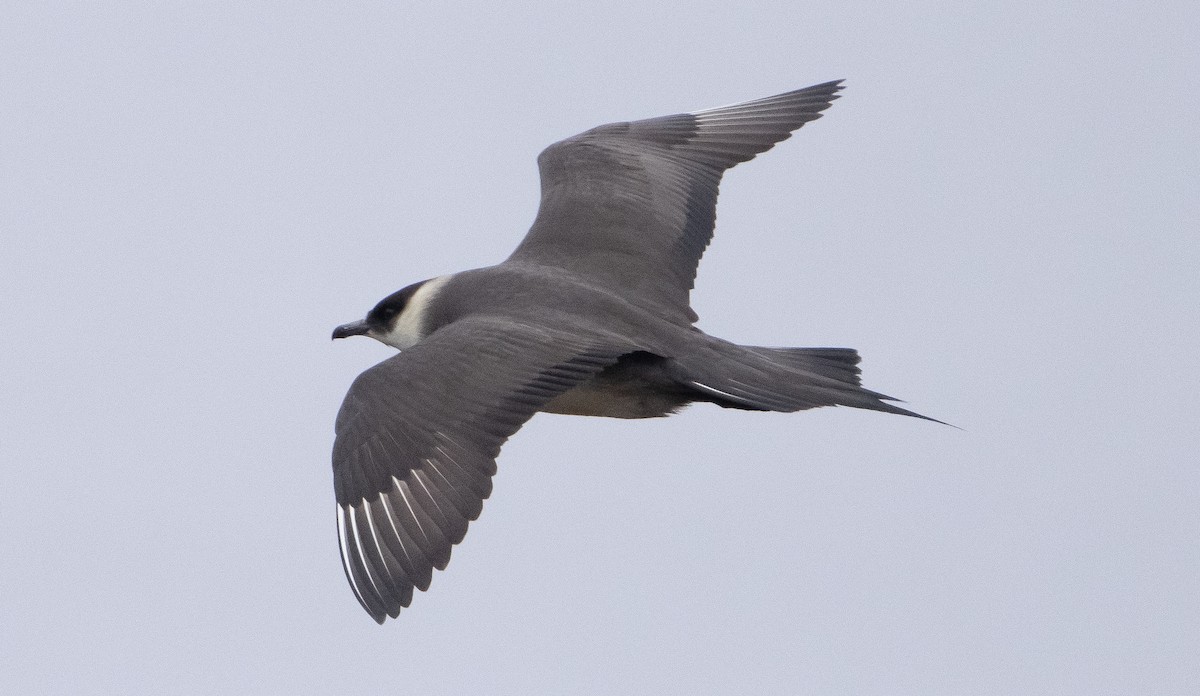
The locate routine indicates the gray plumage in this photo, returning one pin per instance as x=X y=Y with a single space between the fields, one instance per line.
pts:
x=590 y=315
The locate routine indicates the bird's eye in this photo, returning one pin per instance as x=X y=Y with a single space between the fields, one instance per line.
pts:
x=386 y=313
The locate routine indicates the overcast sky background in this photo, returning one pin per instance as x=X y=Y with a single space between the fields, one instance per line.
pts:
x=1001 y=214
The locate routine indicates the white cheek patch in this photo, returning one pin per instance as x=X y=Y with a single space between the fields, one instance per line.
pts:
x=408 y=328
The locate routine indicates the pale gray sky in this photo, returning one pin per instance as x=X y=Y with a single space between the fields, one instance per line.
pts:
x=1000 y=214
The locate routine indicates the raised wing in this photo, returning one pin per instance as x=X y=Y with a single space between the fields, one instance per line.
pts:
x=417 y=438
x=631 y=206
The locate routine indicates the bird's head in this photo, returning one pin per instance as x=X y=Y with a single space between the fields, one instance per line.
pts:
x=399 y=320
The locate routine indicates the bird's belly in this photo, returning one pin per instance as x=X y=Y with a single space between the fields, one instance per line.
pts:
x=600 y=397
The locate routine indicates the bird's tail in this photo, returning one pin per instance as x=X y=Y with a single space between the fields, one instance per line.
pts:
x=781 y=379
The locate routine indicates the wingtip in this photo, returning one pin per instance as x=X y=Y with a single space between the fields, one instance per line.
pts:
x=831 y=85
x=832 y=88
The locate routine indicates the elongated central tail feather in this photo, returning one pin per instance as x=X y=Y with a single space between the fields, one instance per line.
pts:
x=781 y=379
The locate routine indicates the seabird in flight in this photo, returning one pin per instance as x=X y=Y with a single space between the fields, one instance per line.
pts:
x=589 y=316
